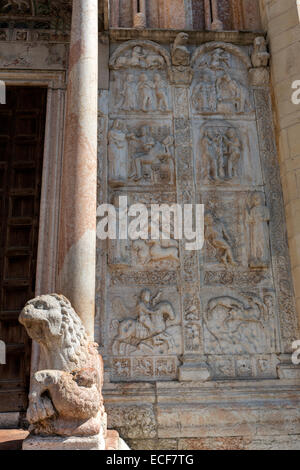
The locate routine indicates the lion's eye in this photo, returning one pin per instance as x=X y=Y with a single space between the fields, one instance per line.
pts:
x=40 y=306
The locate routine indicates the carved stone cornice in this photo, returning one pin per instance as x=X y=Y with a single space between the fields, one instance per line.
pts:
x=167 y=36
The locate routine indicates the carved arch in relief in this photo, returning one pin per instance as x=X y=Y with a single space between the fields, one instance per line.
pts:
x=150 y=49
x=230 y=48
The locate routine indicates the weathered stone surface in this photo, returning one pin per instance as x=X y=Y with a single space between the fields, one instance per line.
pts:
x=38 y=443
x=206 y=115
x=65 y=396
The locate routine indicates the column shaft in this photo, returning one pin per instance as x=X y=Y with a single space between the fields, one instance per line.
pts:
x=77 y=231
x=207 y=9
x=217 y=23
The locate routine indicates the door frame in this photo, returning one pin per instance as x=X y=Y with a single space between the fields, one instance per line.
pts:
x=55 y=82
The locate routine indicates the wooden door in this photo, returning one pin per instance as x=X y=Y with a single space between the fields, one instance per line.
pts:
x=22 y=124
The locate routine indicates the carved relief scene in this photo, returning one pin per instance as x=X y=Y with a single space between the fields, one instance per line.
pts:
x=194 y=109
x=145 y=336
x=140 y=153
x=182 y=128
x=220 y=82
x=139 y=80
x=224 y=155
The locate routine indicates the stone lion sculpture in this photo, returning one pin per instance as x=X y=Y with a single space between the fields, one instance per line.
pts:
x=180 y=53
x=65 y=396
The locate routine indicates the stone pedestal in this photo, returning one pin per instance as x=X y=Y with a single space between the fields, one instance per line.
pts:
x=111 y=442
x=64 y=443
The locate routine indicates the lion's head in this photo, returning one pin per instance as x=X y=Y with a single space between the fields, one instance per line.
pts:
x=51 y=321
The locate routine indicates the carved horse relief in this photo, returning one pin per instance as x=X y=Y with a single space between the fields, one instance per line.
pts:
x=147 y=331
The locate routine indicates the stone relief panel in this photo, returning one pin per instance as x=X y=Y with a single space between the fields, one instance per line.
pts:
x=182 y=128
x=141 y=254
x=240 y=323
x=220 y=84
x=226 y=153
x=140 y=79
x=144 y=333
x=141 y=152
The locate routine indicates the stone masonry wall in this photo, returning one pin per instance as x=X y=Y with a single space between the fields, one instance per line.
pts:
x=281 y=21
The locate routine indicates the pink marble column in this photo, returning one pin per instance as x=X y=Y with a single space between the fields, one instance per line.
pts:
x=115 y=13
x=217 y=24
x=139 y=14
x=207 y=10
x=77 y=229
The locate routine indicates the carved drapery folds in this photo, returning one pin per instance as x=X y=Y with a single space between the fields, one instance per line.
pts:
x=183 y=128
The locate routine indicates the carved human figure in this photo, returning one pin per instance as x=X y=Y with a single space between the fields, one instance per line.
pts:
x=204 y=95
x=219 y=59
x=192 y=337
x=120 y=247
x=147 y=151
x=118 y=151
x=231 y=92
x=209 y=156
x=233 y=149
x=160 y=93
x=135 y=59
x=145 y=89
x=65 y=395
x=218 y=146
x=148 y=332
x=217 y=237
x=258 y=219
x=129 y=102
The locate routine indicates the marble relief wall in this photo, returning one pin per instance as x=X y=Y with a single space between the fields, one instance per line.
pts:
x=186 y=124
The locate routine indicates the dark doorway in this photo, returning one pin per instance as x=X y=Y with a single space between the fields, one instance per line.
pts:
x=22 y=125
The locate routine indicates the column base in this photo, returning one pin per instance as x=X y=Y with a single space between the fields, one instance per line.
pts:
x=193 y=369
x=111 y=442
x=64 y=443
x=114 y=442
x=217 y=25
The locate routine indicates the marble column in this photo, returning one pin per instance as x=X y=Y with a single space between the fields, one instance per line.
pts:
x=217 y=24
x=115 y=13
x=77 y=230
x=207 y=10
x=139 y=14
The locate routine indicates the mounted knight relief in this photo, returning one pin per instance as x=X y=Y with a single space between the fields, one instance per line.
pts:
x=183 y=127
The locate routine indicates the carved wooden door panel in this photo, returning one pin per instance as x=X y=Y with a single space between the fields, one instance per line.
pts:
x=22 y=123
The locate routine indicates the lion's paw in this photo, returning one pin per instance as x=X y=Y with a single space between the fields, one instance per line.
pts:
x=39 y=410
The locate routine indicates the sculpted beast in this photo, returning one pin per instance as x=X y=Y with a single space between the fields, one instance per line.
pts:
x=180 y=53
x=65 y=397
